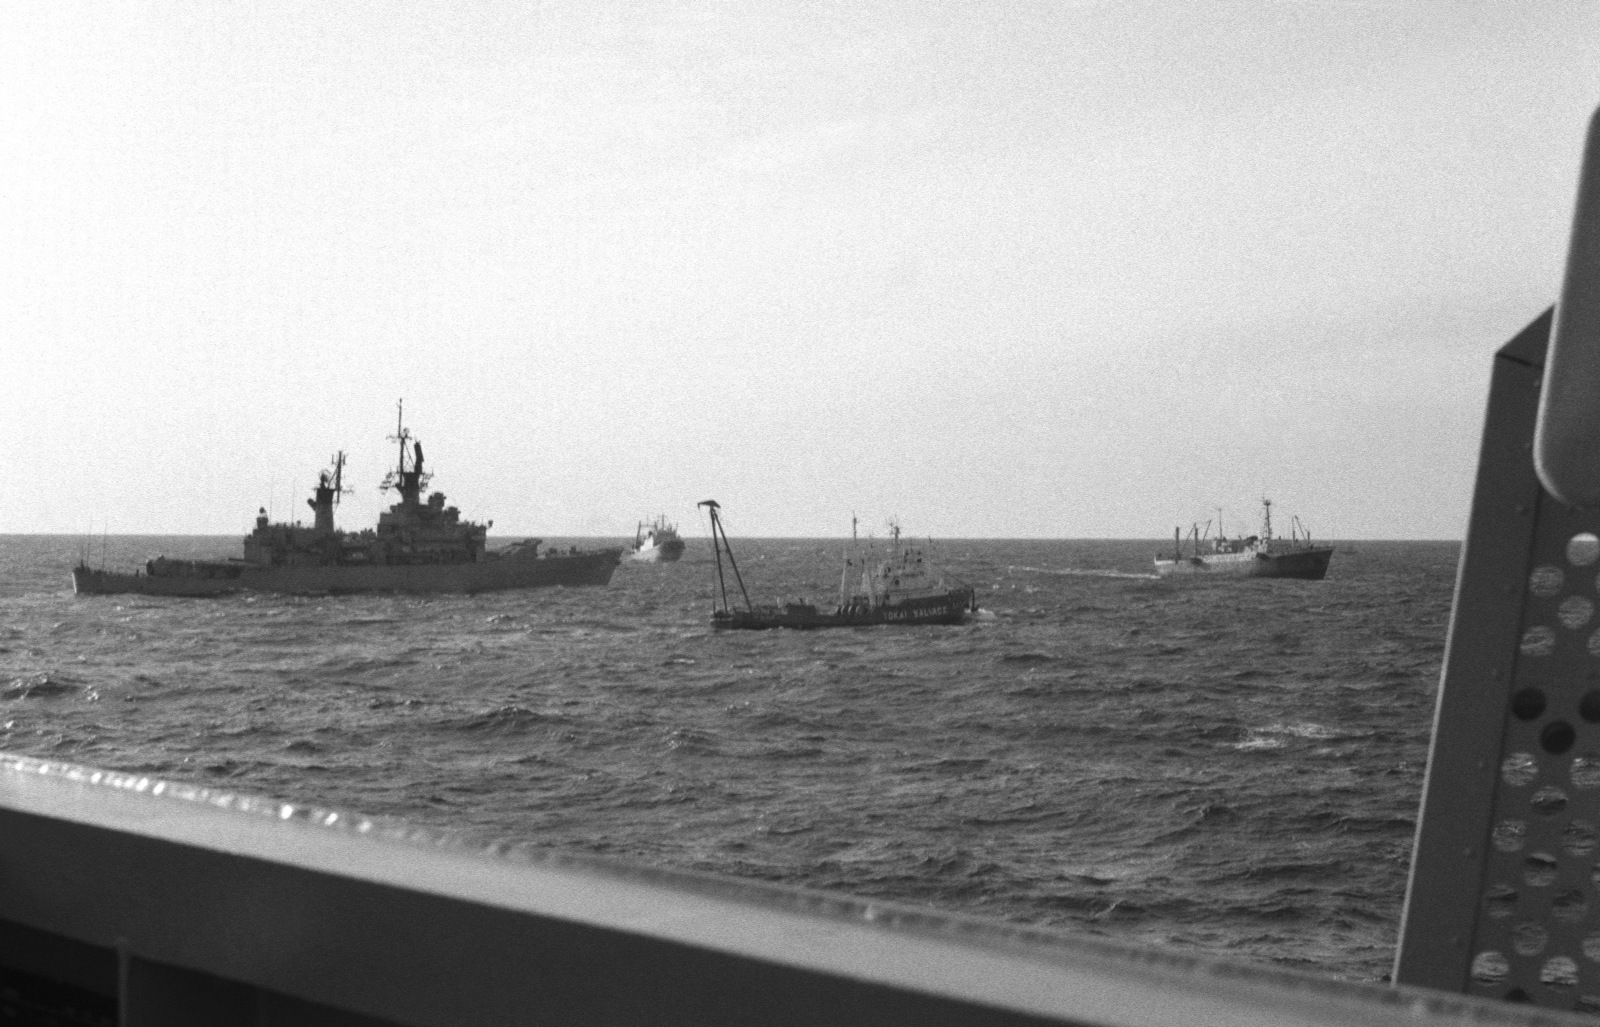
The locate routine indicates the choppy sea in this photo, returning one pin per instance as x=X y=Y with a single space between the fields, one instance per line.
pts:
x=1231 y=767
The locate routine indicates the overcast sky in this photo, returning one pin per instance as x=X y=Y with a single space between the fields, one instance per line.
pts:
x=997 y=268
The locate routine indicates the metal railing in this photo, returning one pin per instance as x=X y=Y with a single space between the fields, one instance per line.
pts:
x=128 y=900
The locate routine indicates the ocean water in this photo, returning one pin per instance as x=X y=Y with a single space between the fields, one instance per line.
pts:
x=1231 y=767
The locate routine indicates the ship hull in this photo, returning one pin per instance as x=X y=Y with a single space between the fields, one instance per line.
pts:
x=1306 y=564
x=948 y=608
x=420 y=579
x=667 y=552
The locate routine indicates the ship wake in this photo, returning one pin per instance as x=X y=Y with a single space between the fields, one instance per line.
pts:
x=1084 y=572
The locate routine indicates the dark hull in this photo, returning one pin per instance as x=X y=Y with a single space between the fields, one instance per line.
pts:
x=949 y=608
x=668 y=551
x=485 y=576
x=1306 y=564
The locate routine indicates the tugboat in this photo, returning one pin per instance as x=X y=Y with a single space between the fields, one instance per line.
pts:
x=418 y=547
x=894 y=591
x=657 y=542
x=1258 y=556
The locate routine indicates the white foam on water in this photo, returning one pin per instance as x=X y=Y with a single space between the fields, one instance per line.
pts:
x=1084 y=572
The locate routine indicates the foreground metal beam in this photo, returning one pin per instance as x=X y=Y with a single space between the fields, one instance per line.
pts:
x=172 y=904
x=1474 y=721
x=1568 y=433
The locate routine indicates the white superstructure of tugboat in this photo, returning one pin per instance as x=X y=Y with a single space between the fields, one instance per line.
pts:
x=418 y=546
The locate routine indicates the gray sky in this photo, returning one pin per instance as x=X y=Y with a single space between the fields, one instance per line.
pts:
x=998 y=268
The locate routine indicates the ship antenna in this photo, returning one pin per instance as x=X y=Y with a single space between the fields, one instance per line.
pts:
x=338 y=477
x=400 y=430
x=400 y=437
x=1266 y=519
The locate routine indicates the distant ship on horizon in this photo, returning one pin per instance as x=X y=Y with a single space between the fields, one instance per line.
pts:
x=657 y=542
x=1256 y=556
x=417 y=547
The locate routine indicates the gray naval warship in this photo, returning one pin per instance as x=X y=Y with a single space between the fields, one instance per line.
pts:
x=418 y=547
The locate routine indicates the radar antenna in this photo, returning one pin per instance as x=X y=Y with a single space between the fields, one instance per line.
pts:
x=401 y=437
x=334 y=479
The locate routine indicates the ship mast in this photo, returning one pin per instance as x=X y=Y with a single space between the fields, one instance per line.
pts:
x=330 y=486
x=400 y=434
x=409 y=482
x=712 y=506
x=1266 y=519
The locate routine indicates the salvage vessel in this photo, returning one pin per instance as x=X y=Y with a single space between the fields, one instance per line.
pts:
x=896 y=590
x=1256 y=556
x=657 y=542
x=417 y=547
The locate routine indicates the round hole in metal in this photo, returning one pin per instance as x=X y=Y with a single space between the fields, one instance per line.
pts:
x=1539 y=870
x=1557 y=737
x=1509 y=835
x=1519 y=769
x=1549 y=800
x=1529 y=938
x=1583 y=549
x=1538 y=641
x=1558 y=972
x=1580 y=838
x=1490 y=967
x=1527 y=704
x=1546 y=581
x=1574 y=612
x=1500 y=901
x=1569 y=906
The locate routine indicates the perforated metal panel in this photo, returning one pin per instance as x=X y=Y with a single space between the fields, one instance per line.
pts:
x=1536 y=934
x=1503 y=897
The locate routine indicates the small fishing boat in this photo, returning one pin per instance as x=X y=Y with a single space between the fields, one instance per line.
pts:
x=1257 y=556
x=896 y=590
